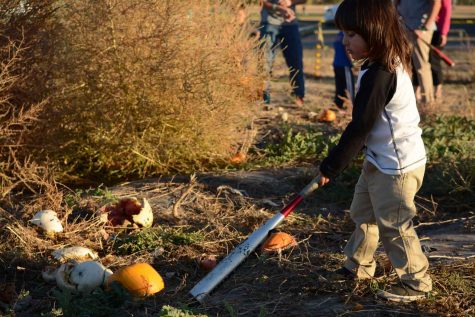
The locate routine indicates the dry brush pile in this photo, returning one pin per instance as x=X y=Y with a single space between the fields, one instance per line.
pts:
x=21 y=97
x=126 y=88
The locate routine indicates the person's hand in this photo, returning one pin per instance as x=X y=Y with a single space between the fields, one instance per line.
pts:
x=419 y=33
x=289 y=14
x=290 y=17
x=443 y=40
x=285 y=3
x=323 y=180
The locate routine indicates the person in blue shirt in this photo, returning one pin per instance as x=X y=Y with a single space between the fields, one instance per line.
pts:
x=344 y=80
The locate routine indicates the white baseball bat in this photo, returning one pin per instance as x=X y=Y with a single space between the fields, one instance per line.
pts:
x=201 y=290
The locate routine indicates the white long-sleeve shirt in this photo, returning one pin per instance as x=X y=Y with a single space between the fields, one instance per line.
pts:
x=385 y=121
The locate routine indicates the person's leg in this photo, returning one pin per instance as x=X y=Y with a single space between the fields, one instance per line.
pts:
x=350 y=84
x=420 y=57
x=269 y=42
x=363 y=242
x=293 y=54
x=340 y=85
x=415 y=83
x=436 y=66
x=393 y=202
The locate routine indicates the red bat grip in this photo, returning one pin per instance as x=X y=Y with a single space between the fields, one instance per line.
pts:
x=444 y=57
x=313 y=185
x=291 y=206
x=438 y=52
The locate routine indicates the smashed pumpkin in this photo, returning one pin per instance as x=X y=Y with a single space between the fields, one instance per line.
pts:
x=80 y=277
x=77 y=253
x=128 y=211
x=48 y=221
x=327 y=115
x=278 y=241
x=139 y=279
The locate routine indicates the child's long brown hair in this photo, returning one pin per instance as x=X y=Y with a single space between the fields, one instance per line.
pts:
x=377 y=21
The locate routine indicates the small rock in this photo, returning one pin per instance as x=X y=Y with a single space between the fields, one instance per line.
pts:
x=158 y=251
x=312 y=116
x=170 y=274
x=207 y=263
x=284 y=116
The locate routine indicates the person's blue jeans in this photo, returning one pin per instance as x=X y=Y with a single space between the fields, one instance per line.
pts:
x=287 y=37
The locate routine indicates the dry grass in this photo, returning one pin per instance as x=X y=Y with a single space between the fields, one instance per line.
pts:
x=212 y=221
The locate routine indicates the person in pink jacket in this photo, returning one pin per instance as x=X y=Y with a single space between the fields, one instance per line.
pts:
x=439 y=39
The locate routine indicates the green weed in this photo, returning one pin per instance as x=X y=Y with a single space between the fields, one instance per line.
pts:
x=99 y=303
x=450 y=144
x=313 y=146
x=71 y=199
x=299 y=146
x=374 y=286
x=232 y=312
x=152 y=238
x=170 y=311
x=449 y=138
x=460 y=283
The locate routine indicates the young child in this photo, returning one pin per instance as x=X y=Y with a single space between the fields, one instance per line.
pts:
x=385 y=123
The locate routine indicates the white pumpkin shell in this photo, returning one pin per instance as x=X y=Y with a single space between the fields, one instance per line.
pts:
x=62 y=277
x=49 y=274
x=48 y=221
x=81 y=277
x=74 y=253
x=145 y=217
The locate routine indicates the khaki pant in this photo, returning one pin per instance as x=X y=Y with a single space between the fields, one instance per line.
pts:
x=420 y=59
x=383 y=207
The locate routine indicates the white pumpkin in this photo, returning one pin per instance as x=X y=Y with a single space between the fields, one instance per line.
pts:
x=145 y=217
x=48 y=221
x=81 y=277
x=74 y=253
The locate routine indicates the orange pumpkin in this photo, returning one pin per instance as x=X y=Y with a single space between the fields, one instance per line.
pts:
x=239 y=158
x=278 y=241
x=139 y=279
x=327 y=115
